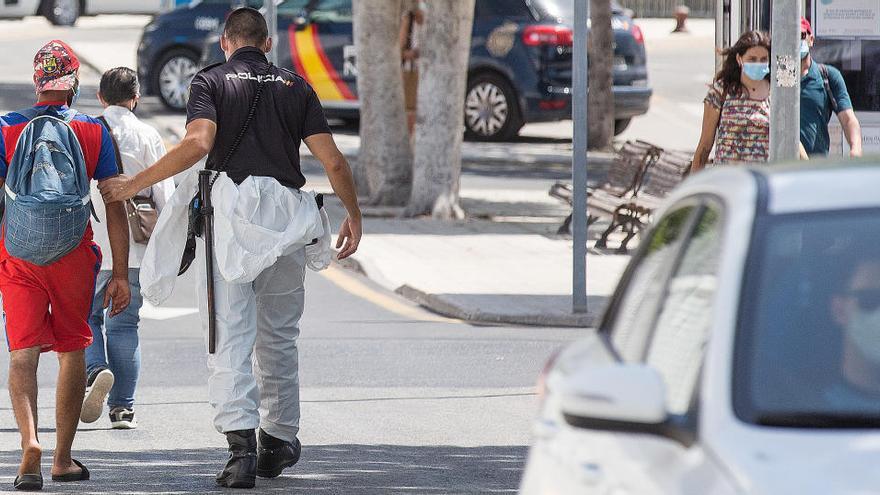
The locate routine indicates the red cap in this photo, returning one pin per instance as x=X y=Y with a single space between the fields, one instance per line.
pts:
x=55 y=67
x=806 y=27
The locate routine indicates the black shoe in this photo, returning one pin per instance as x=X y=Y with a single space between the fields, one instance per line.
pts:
x=82 y=475
x=241 y=469
x=122 y=418
x=275 y=455
x=28 y=482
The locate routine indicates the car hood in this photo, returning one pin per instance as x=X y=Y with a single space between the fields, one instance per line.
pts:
x=806 y=461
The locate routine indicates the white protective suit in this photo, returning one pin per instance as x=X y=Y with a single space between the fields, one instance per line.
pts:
x=261 y=235
x=254 y=224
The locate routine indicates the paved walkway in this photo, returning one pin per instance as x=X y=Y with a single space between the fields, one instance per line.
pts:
x=505 y=267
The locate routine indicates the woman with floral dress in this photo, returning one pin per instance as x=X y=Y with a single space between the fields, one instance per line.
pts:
x=736 y=114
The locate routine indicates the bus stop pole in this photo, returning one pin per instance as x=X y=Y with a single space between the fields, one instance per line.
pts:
x=272 y=20
x=785 y=81
x=579 y=156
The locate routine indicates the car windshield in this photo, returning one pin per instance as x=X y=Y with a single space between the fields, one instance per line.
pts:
x=808 y=338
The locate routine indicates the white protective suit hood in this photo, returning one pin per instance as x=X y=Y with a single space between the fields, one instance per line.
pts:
x=255 y=223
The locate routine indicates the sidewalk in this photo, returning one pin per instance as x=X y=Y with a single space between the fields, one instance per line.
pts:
x=508 y=267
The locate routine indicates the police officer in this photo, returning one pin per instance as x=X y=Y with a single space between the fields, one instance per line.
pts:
x=287 y=112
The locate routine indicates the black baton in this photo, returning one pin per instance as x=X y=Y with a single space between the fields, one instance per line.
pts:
x=207 y=213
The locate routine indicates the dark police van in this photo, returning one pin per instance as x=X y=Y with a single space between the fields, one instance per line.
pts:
x=519 y=69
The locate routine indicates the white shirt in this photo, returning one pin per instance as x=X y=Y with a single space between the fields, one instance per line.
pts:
x=140 y=146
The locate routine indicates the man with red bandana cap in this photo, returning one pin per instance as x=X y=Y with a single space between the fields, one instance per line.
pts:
x=47 y=307
x=823 y=93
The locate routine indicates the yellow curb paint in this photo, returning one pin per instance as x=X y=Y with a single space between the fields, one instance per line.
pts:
x=352 y=285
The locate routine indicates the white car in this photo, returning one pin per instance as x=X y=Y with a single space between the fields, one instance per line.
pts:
x=740 y=352
x=66 y=12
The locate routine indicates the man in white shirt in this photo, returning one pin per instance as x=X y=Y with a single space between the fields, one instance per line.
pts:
x=113 y=363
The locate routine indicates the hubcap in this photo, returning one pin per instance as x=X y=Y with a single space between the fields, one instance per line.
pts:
x=174 y=79
x=486 y=109
x=65 y=11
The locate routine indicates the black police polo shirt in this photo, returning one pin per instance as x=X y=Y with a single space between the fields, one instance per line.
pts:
x=288 y=112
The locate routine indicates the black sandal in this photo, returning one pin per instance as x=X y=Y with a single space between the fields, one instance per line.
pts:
x=83 y=475
x=28 y=482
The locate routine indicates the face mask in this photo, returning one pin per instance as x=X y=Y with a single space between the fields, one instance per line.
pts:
x=134 y=107
x=805 y=49
x=863 y=332
x=756 y=70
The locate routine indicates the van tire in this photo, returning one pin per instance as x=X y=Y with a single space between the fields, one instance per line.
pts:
x=62 y=12
x=484 y=91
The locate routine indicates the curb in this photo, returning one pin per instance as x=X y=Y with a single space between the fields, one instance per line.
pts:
x=442 y=307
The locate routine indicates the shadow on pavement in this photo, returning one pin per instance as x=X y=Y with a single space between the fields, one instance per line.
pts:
x=362 y=469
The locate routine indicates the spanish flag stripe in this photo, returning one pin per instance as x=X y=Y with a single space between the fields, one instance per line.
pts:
x=313 y=66
x=291 y=39
x=334 y=76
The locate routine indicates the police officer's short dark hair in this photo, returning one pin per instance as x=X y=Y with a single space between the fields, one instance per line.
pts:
x=246 y=25
x=119 y=85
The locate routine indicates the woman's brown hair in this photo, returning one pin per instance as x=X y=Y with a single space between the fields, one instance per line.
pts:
x=730 y=74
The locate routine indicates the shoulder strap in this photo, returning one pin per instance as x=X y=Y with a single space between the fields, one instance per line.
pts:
x=240 y=136
x=115 y=144
x=826 y=82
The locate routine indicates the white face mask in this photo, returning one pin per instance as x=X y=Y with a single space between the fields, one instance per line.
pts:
x=863 y=331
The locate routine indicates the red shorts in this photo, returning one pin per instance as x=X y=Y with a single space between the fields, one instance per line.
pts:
x=49 y=306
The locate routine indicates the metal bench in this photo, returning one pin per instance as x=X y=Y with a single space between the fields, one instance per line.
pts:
x=642 y=176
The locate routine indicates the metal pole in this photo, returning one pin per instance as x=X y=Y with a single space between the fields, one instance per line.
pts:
x=207 y=213
x=785 y=82
x=272 y=20
x=579 y=158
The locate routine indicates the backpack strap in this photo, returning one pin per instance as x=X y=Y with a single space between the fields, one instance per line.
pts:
x=115 y=144
x=826 y=82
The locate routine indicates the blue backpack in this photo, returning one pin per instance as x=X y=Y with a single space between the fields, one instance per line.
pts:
x=47 y=189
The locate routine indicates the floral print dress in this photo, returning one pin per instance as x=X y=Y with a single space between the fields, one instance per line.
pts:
x=743 y=134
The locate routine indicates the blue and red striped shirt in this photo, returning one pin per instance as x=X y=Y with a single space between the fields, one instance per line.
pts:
x=93 y=137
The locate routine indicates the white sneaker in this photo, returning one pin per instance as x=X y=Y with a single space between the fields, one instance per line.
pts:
x=122 y=418
x=98 y=386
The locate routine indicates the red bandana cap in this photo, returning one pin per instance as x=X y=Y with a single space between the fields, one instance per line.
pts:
x=806 y=27
x=55 y=67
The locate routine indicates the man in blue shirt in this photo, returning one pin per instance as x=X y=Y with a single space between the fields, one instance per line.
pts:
x=819 y=101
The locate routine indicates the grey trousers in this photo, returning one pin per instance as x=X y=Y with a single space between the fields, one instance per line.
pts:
x=254 y=374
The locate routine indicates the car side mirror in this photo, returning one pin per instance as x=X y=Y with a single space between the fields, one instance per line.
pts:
x=618 y=396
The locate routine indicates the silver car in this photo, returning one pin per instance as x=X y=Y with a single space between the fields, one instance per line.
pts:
x=740 y=352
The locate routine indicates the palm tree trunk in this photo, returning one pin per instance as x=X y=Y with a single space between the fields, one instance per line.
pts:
x=601 y=96
x=445 y=50
x=385 y=157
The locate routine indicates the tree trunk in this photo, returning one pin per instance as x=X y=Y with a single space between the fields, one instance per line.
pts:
x=385 y=156
x=443 y=62
x=601 y=56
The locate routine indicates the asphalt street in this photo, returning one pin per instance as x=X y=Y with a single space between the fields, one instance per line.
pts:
x=395 y=399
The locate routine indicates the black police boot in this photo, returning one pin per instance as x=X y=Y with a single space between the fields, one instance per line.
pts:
x=241 y=469
x=275 y=455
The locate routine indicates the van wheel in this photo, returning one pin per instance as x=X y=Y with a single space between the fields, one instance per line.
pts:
x=173 y=74
x=62 y=12
x=620 y=125
x=491 y=112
